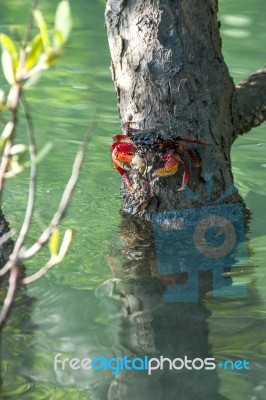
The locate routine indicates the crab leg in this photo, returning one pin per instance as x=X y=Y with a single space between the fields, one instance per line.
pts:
x=185 y=173
x=125 y=177
x=191 y=154
x=190 y=140
x=128 y=129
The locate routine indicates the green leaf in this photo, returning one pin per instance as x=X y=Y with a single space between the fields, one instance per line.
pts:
x=63 y=22
x=9 y=58
x=8 y=44
x=2 y=99
x=32 y=80
x=34 y=51
x=17 y=155
x=42 y=27
x=44 y=151
x=18 y=150
x=50 y=57
x=8 y=67
x=8 y=130
x=6 y=134
x=58 y=40
x=54 y=242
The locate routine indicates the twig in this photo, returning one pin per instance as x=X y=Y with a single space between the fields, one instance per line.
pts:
x=15 y=91
x=59 y=214
x=51 y=263
x=26 y=38
x=15 y=259
x=22 y=254
x=31 y=196
x=4 y=163
x=19 y=254
x=14 y=273
x=33 y=175
x=28 y=29
x=4 y=238
x=54 y=260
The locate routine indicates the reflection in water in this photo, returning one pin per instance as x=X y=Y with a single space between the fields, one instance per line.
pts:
x=147 y=319
x=197 y=240
x=131 y=316
x=258 y=201
x=18 y=324
x=17 y=348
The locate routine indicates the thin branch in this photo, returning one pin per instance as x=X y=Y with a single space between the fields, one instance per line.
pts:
x=14 y=96
x=249 y=103
x=22 y=255
x=35 y=71
x=31 y=195
x=18 y=254
x=51 y=263
x=28 y=28
x=15 y=259
x=33 y=175
x=6 y=237
x=5 y=247
x=59 y=214
x=14 y=273
x=26 y=39
x=54 y=260
x=4 y=163
x=16 y=91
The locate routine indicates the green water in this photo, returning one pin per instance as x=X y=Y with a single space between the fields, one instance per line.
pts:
x=95 y=303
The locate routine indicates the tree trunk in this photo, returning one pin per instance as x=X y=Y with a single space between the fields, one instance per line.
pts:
x=169 y=73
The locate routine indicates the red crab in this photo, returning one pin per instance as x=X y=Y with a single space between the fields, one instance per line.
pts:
x=129 y=150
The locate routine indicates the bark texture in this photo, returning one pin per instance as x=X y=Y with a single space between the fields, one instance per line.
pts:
x=250 y=102
x=169 y=72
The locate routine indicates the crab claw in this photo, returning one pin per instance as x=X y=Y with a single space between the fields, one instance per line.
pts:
x=122 y=153
x=119 y=138
x=170 y=166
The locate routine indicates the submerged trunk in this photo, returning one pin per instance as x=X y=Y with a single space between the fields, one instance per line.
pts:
x=170 y=74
